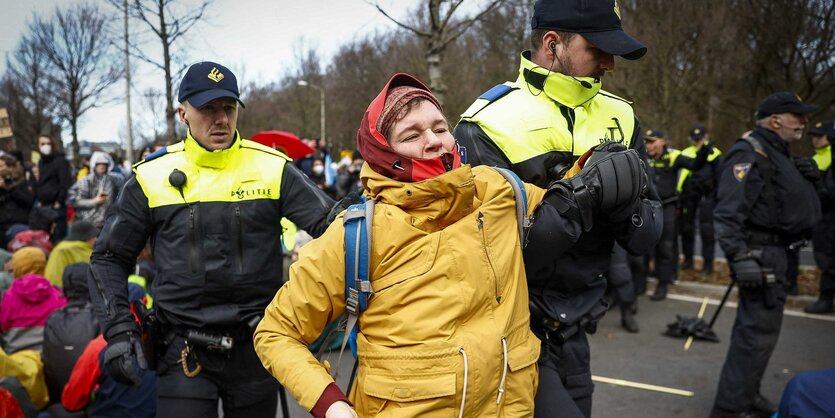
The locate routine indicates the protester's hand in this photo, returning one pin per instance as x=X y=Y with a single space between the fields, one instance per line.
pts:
x=747 y=272
x=101 y=199
x=808 y=168
x=124 y=358
x=340 y=409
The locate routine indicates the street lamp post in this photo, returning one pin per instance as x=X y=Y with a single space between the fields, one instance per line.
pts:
x=304 y=83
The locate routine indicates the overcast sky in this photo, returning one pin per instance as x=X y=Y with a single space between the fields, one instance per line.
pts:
x=254 y=38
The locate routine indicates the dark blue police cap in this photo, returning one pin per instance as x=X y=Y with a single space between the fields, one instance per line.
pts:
x=653 y=134
x=826 y=128
x=783 y=102
x=206 y=81
x=597 y=20
x=697 y=132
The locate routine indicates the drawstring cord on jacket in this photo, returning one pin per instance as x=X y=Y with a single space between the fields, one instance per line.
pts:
x=466 y=372
x=504 y=371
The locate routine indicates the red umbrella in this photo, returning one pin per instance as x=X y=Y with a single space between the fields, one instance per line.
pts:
x=283 y=141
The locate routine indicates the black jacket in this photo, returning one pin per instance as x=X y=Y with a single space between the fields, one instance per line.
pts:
x=743 y=196
x=54 y=179
x=216 y=238
x=15 y=205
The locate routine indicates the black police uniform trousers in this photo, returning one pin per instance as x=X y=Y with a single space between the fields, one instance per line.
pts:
x=703 y=205
x=666 y=251
x=823 y=242
x=565 y=385
x=237 y=378
x=753 y=338
x=627 y=275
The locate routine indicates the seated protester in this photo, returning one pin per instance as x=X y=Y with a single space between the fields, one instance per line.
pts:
x=110 y=398
x=28 y=303
x=75 y=248
x=41 y=225
x=808 y=394
x=93 y=195
x=16 y=199
x=446 y=330
x=68 y=330
x=26 y=367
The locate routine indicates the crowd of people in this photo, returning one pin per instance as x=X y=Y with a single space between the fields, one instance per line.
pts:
x=466 y=264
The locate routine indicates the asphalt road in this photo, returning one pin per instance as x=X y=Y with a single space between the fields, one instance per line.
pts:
x=651 y=358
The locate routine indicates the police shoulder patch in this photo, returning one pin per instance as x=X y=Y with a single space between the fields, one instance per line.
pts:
x=741 y=170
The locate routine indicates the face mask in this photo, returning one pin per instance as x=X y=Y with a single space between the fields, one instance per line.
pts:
x=45 y=149
x=318 y=170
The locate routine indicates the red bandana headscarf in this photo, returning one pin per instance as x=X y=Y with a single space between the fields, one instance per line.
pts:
x=380 y=116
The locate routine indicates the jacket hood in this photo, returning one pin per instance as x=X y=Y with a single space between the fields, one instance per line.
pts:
x=75 y=282
x=100 y=157
x=434 y=203
x=376 y=151
x=33 y=288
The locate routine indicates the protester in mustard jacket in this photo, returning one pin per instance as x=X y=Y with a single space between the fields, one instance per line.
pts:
x=446 y=332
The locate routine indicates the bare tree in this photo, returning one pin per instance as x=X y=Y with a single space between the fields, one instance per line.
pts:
x=81 y=65
x=167 y=24
x=439 y=32
x=27 y=91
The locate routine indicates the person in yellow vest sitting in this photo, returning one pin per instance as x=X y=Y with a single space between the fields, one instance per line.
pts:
x=823 y=235
x=697 y=194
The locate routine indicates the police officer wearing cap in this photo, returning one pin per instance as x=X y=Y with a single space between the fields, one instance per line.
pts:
x=539 y=126
x=211 y=206
x=666 y=163
x=766 y=203
x=823 y=234
x=697 y=194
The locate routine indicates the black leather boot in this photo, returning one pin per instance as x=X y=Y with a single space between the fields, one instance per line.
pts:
x=627 y=318
x=660 y=292
x=823 y=305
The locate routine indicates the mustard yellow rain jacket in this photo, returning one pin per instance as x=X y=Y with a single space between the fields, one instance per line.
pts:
x=449 y=317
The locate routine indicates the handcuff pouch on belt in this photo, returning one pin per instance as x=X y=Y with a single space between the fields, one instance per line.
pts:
x=769 y=282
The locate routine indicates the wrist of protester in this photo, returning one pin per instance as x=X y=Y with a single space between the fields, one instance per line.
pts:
x=330 y=395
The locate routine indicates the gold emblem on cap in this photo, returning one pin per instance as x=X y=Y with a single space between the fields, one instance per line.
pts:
x=617 y=9
x=649 y=131
x=215 y=75
x=818 y=125
x=697 y=131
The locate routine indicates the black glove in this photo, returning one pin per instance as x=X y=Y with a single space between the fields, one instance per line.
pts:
x=351 y=198
x=747 y=272
x=705 y=150
x=808 y=168
x=124 y=358
x=611 y=183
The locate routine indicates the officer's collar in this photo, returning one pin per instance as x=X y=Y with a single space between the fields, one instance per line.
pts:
x=213 y=159
x=559 y=87
x=772 y=138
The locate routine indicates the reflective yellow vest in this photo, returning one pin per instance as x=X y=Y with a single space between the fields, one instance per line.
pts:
x=823 y=157
x=563 y=116
x=691 y=151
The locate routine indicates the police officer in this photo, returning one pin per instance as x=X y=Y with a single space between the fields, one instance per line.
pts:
x=666 y=163
x=211 y=205
x=697 y=194
x=539 y=125
x=823 y=235
x=765 y=204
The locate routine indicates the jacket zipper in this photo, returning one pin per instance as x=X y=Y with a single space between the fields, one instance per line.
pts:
x=192 y=240
x=239 y=247
x=487 y=256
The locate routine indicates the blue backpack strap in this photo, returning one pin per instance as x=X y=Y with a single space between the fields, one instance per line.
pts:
x=357 y=221
x=522 y=219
